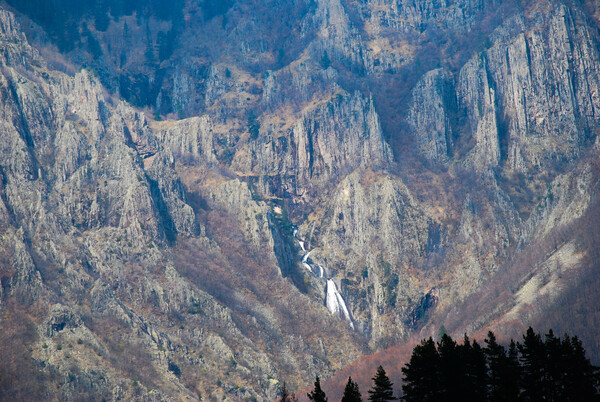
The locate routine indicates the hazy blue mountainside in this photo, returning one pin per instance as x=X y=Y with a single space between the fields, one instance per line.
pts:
x=205 y=199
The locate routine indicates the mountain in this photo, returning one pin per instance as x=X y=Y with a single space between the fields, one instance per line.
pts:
x=202 y=200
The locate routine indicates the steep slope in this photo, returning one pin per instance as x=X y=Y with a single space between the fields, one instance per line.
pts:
x=119 y=266
x=335 y=178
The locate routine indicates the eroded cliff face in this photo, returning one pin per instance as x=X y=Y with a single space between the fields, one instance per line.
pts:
x=428 y=116
x=529 y=123
x=296 y=219
x=97 y=211
x=318 y=150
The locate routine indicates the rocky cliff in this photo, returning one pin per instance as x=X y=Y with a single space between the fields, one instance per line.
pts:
x=325 y=184
x=96 y=215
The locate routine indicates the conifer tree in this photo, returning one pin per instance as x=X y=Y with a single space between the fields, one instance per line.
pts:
x=452 y=369
x=476 y=376
x=382 y=389
x=503 y=370
x=497 y=360
x=554 y=367
x=317 y=394
x=533 y=362
x=422 y=373
x=351 y=392
x=549 y=370
x=511 y=374
x=583 y=380
x=284 y=393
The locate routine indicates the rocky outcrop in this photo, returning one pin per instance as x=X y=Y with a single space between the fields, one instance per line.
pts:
x=379 y=230
x=325 y=144
x=421 y=14
x=433 y=97
x=531 y=96
x=478 y=97
x=369 y=200
x=92 y=199
x=253 y=215
x=338 y=39
x=566 y=199
x=187 y=138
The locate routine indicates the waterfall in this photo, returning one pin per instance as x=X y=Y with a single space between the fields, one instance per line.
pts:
x=305 y=263
x=335 y=302
x=305 y=258
x=333 y=299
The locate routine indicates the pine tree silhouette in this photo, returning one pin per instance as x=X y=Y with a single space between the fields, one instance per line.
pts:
x=533 y=361
x=382 y=389
x=284 y=393
x=422 y=373
x=351 y=392
x=317 y=394
x=537 y=370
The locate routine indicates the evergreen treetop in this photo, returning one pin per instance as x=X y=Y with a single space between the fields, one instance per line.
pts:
x=382 y=389
x=548 y=369
x=317 y=394
x=351 y=392
x=284 y=393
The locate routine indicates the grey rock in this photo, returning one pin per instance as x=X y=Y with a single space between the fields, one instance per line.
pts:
x=432 y=98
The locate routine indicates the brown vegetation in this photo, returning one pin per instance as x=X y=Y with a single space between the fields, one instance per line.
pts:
x=21 y=377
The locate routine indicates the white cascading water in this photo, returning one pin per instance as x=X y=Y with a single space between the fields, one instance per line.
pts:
x=333 y=299
x=335 y=302
x=305 y=263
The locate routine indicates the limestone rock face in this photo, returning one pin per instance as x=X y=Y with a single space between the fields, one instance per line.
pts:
x=364 y=201
x=432 y=98
x=321 y=147
x=567 y=197
x=98 y=206
x=419 y=14
x=376 y=225
x=185 y=221
x=479 y=99
x=511 y=103
x=338 y=39
x=191 y=137
x=235 y=196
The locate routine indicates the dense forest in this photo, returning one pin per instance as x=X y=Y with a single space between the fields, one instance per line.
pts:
x=547 y=368
x=537 y=369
